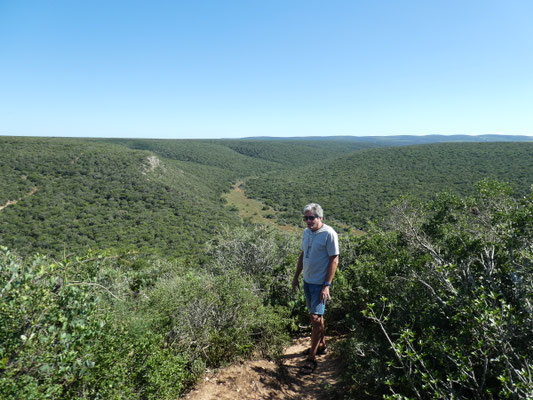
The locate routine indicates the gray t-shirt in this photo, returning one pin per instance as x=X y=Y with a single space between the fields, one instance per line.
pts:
x=318 y=246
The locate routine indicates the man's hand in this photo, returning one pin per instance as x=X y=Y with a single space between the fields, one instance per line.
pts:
x=295 y=284
x=324 y=295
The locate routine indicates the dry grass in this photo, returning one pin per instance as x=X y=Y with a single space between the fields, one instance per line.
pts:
x=254 y=210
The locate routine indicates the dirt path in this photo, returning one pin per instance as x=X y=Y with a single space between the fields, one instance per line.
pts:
x=265 y=380
x=11 y=202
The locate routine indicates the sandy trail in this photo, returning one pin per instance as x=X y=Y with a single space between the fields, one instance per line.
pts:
x=12 y=202
x=265 y=380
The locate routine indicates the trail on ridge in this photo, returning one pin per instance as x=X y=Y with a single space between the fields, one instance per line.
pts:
x=12 y=202
x=266 y=380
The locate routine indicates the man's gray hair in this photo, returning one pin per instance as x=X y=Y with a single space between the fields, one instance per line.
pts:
x=315 y=209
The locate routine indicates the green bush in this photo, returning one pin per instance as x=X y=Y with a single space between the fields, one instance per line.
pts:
x=57 y=339
x=266 y=256
x=441 y=303
x=103 y=326
x=214 y=318
x=124 y=326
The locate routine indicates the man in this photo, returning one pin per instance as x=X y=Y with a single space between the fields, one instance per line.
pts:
x=318 y=260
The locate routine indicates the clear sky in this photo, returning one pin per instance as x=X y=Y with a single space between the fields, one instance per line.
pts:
x=227 y=68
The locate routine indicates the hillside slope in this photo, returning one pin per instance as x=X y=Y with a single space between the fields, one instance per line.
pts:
x=162 y=196
x=358 y=186
x=165 y=195
x=94 y=195
x=246 y=157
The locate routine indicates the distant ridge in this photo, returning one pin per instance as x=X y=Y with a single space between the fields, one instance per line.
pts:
x=400 y=140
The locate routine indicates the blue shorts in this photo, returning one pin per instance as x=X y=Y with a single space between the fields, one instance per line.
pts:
x=312 y=298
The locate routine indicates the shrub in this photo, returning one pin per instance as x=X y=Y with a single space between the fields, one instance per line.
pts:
x=441 y=304
x=57 y=340
x=65 y=333
x=124 y=326
x=264 y=255
x=214 y=318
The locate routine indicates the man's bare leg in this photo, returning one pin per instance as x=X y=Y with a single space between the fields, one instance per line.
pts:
x=317 y=335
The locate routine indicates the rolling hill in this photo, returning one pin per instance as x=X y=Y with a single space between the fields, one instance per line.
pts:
x=103 y=195
x=358 y=187
x=165 y=196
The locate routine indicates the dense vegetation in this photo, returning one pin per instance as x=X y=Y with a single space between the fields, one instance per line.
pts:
x=99 y=196
x=227 y=163
x=148 y=280
x=358 y=187
x=440 y=304
x=164 y=196
x=246 y=157
x=124 y=326
x=153 y=195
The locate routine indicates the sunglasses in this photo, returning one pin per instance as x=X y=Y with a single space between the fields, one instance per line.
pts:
x=310 y=218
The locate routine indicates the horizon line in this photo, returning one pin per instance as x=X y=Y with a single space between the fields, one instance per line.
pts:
x=273 y=136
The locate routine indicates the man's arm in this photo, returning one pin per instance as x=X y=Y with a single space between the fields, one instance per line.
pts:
x=332 y=268
x=299 y=268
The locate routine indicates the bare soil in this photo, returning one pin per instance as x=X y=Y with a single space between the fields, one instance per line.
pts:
x=12 y=202
x=266 y=380
x=152 y=162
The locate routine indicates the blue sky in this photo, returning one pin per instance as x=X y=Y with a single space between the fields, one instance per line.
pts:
x=225 y=68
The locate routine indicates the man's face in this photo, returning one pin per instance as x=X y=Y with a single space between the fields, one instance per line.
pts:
x=312 y=223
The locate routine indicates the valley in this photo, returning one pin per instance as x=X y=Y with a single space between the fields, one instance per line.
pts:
x=253 y=210
x=132 y=269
